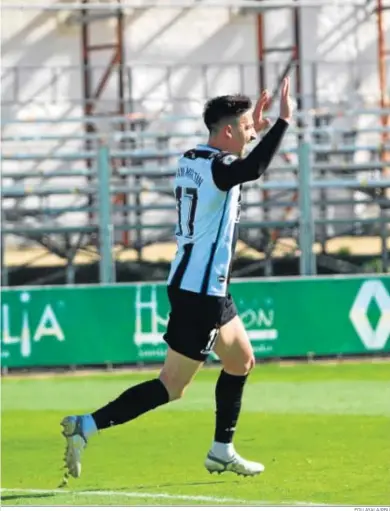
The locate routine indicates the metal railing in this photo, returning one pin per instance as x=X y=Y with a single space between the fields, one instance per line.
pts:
x=184 y=85
x=304 y=184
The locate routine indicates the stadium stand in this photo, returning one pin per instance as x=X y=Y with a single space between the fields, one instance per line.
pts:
x=86 y=180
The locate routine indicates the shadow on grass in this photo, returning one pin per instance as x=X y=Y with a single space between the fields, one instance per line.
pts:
x=16 y=496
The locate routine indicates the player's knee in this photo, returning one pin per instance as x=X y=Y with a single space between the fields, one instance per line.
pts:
x=176 y=393
x=240 y=367
x=248 y=364
x=174 y=386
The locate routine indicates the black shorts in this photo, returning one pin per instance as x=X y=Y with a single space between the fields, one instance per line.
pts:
x=194 y=322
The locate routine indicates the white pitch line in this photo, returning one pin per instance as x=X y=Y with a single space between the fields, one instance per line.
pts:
x=142 y=495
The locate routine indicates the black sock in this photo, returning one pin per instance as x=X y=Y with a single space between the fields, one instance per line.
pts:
x=132 y=403
x=228 y=395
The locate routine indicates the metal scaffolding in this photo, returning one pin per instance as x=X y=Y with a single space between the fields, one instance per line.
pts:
x=93 y=92
x=128 y=153
x=383 y=56
x=293 y=63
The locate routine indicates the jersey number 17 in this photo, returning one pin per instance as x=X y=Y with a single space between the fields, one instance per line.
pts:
x=182 y=196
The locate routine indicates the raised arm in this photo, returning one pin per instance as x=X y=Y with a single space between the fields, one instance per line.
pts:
x=229 y=170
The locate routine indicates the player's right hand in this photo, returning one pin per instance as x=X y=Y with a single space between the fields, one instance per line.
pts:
x=286 y=104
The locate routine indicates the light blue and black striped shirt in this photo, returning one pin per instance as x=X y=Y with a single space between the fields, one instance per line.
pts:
x=207 y=188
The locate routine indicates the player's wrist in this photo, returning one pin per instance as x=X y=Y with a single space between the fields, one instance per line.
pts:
x=285 y=119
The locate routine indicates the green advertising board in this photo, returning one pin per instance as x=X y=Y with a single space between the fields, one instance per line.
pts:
x=60 y=326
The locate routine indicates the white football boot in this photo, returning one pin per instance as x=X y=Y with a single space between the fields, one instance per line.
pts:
x=76 y=442
x=235 y=464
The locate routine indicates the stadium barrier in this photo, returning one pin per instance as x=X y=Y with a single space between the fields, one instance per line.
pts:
x=124 y=324
x=323 y=188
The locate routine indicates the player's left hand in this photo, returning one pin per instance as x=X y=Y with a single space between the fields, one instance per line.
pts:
x=263 y=103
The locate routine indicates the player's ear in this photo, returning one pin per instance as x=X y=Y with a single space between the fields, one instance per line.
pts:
x=229 y=131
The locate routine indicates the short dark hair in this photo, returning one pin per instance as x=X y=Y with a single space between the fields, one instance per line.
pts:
x=223 y=107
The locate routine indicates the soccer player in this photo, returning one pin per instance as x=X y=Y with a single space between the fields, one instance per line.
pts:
x=203 y=315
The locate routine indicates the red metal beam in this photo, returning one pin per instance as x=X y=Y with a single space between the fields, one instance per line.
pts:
x=294 y=61
x=106 y=75
x=260 y=49
x=383 y=87
x=92 y=95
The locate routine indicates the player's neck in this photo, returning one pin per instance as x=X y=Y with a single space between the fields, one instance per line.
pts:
x=216 y=143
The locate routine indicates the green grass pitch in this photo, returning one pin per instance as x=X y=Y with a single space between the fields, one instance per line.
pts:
x=321 y=430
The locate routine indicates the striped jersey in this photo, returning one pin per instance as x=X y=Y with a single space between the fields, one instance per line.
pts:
x=207 y=188
x=206 y=225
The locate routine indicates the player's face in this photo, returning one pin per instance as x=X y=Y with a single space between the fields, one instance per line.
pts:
x=242 y=133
